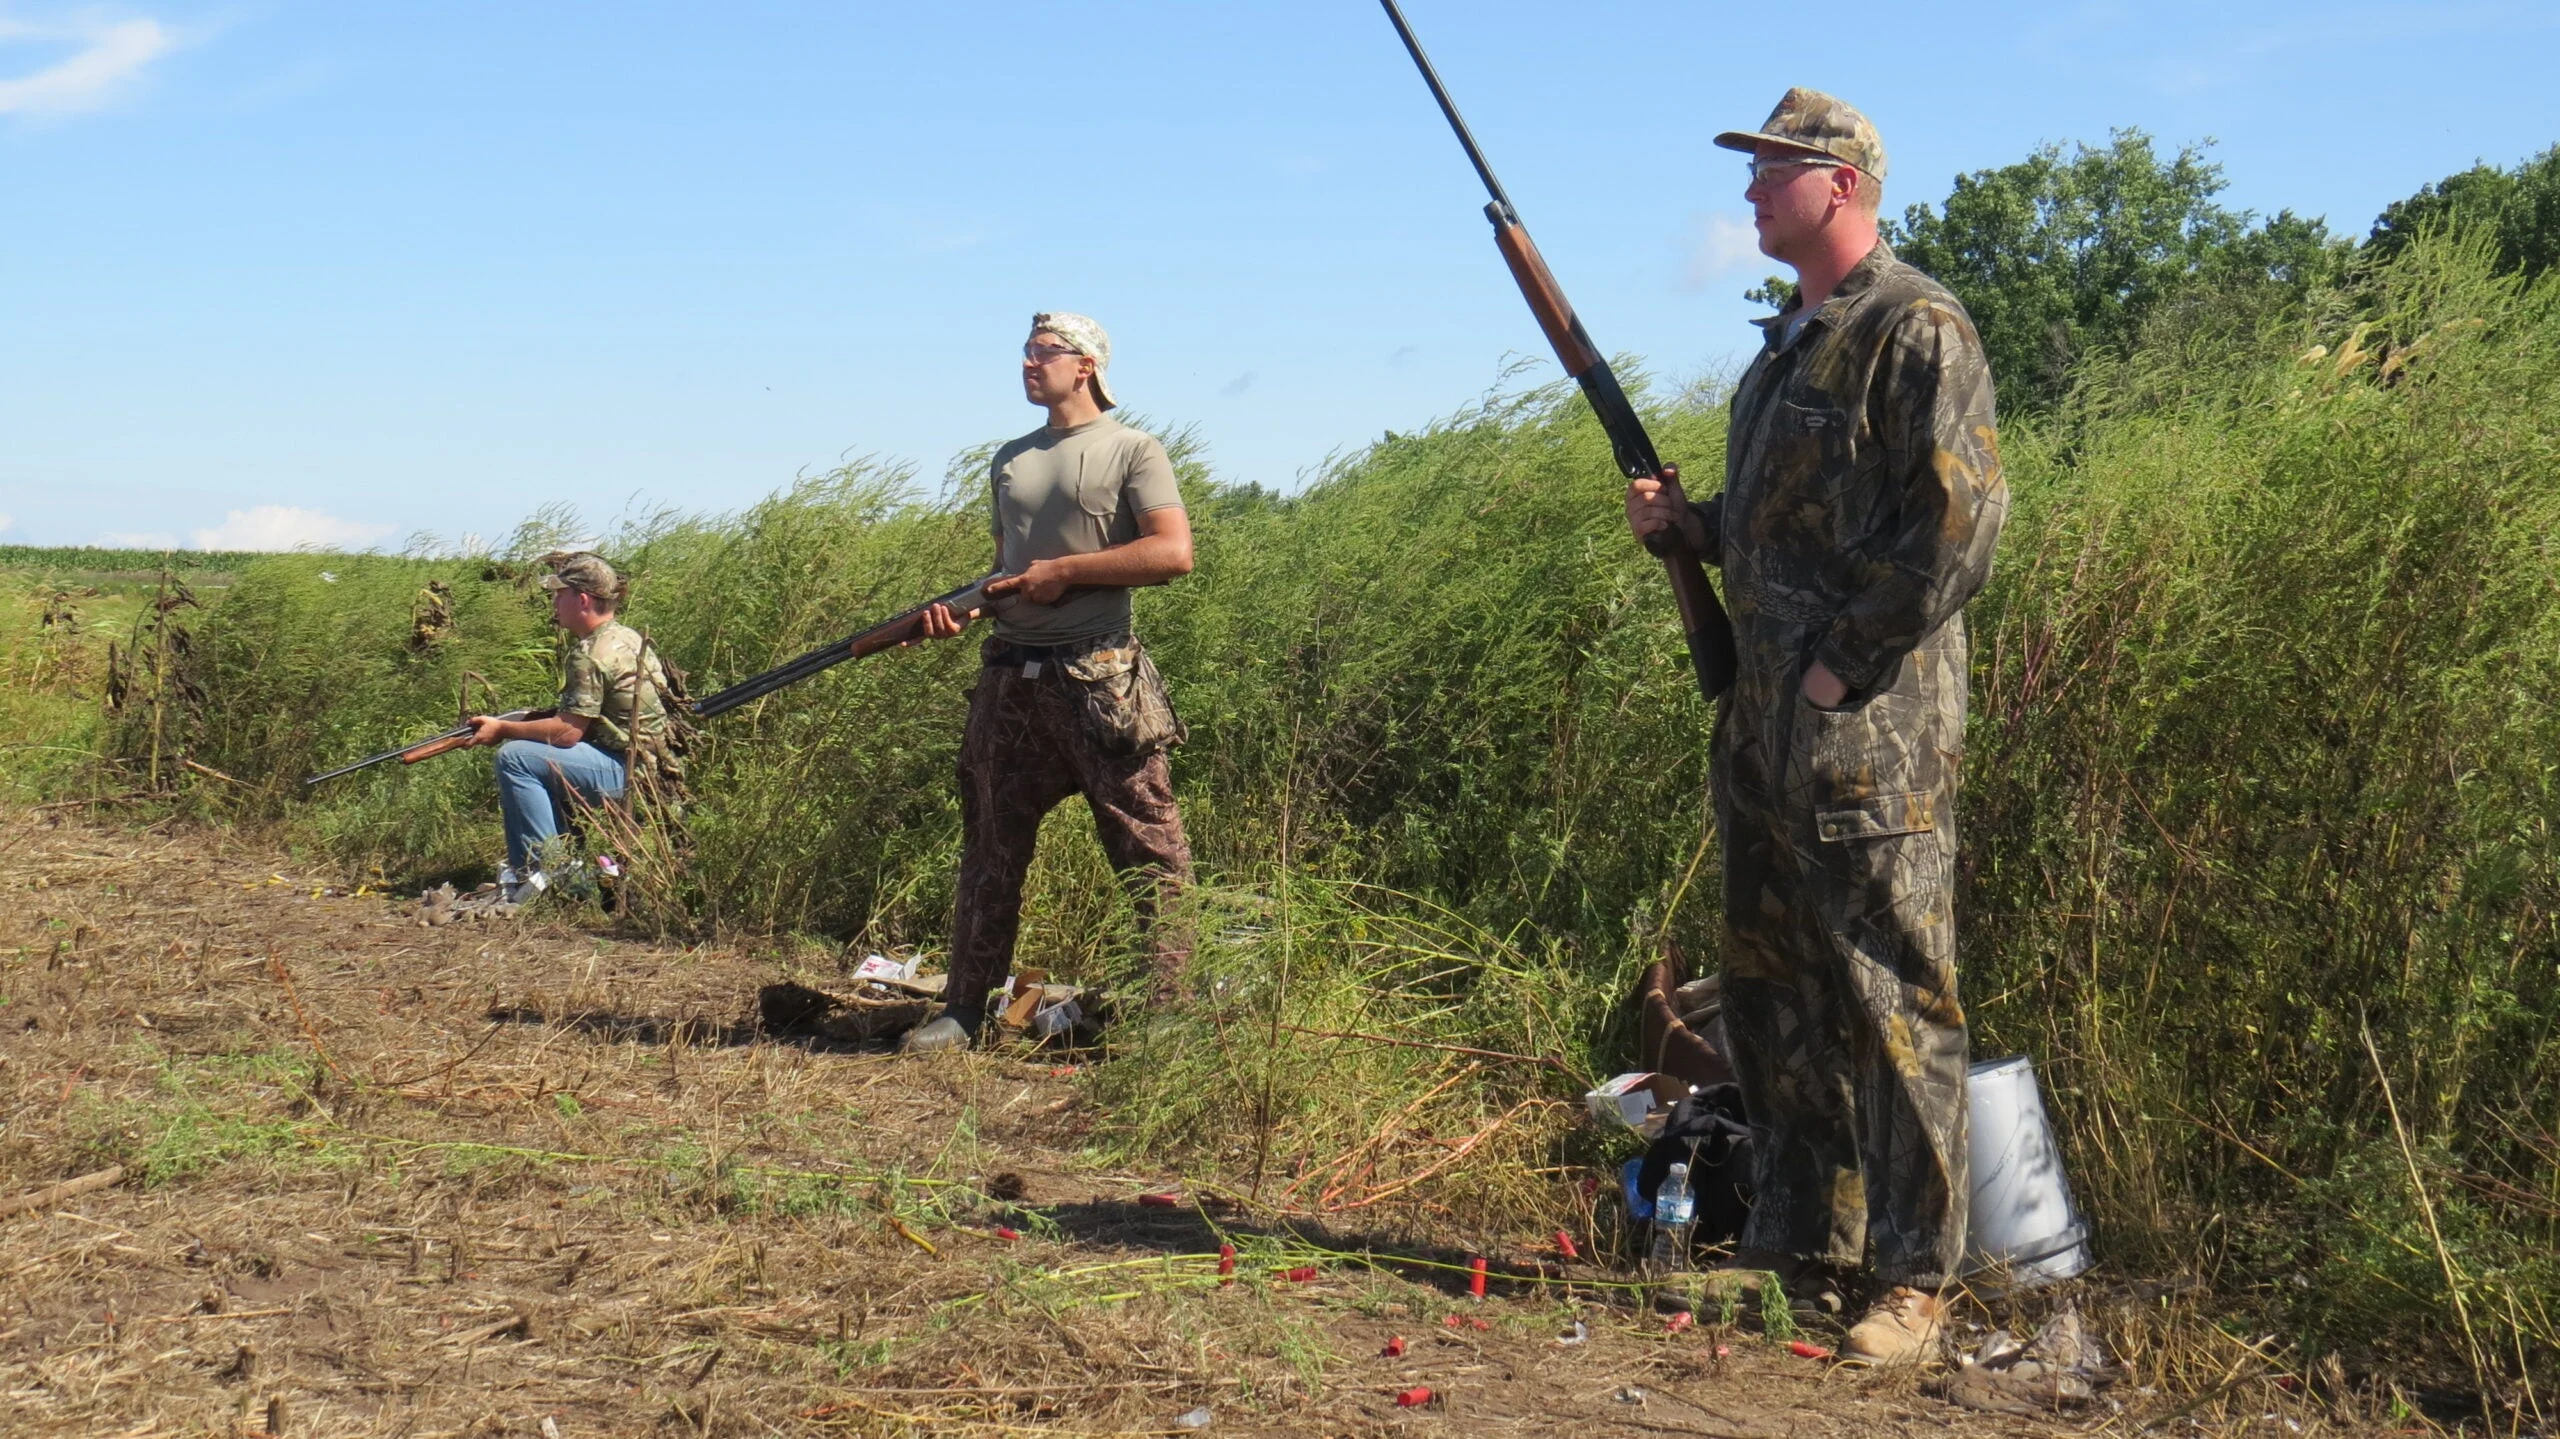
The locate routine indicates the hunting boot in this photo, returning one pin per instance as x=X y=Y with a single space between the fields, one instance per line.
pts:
x=1905 y=1327
x=954 y=1028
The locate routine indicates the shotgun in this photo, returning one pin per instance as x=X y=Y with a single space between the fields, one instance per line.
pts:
x=967 y=602
x=1702 y=618
x=898 y=629
x=428 y=748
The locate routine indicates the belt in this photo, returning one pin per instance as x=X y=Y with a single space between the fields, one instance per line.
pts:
x=1008 y=654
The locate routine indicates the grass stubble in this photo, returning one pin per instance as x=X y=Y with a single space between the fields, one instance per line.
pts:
x=394 y=1180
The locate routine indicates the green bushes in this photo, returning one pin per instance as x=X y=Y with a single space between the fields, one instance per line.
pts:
x=2261 y=764
x=311 y=661
x=52 y=653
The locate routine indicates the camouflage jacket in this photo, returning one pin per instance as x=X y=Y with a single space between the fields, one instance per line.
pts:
x=618 y=683
x=1862 y=483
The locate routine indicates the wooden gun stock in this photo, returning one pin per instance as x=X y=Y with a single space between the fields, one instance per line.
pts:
x=425 y=749
x=459 y=737
x=1565 y=334
x=441 y=744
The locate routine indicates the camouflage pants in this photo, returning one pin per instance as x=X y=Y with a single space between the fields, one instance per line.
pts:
x=1840 y=980
x=1030 y=744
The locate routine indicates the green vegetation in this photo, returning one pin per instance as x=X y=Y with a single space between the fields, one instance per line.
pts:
x=91 y=562
x=2058 y=257
x=2265 y=798
x=70 y=620
x=2259 y=854
x=2518 y=208
x=53 y=639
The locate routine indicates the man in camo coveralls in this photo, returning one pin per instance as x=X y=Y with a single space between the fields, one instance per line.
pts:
x=1067 y=701
x=1861 y=503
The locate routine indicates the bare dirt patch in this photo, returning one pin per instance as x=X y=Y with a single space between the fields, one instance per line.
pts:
x=389 y=1180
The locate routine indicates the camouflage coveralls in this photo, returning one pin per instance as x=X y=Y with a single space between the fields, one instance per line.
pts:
x=1862 y=500
x=1087 y=718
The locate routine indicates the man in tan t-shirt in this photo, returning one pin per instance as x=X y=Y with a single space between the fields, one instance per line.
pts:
x=1068 y=702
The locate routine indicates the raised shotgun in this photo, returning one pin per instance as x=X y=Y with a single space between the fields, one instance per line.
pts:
x=1702 y=618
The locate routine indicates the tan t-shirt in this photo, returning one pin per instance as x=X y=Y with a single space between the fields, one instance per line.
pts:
x=1072 y=492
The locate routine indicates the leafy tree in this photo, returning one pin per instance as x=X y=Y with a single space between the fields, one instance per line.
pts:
x=2520 y=206
x=2058 y=255
x=1776 y=291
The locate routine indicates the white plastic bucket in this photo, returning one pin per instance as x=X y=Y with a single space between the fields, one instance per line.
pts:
x=2024 y=1224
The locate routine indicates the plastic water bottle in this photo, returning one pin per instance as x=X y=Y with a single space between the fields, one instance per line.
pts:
x=1675 y=1211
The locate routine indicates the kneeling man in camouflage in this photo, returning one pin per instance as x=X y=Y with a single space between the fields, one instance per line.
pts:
x=1067 y=701
x=612 y=707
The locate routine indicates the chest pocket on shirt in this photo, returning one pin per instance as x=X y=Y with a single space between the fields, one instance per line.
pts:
x=1097 y=485
x=1825 y=437
x=1826 y=425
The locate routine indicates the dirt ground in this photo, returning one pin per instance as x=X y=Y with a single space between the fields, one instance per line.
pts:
x=518 y=1178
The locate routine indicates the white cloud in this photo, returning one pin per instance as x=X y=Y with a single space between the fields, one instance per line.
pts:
x=132 y=540
x=1723 y=246
x=286 y=527
x=6 y=520
x=106 y=56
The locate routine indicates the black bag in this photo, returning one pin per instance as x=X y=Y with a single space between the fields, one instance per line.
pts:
x=1708 y=1133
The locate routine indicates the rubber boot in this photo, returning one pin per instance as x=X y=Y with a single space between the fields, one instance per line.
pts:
x=951 y=1029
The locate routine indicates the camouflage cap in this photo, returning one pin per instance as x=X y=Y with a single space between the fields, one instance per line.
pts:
x=1085 y=336
x=588 y=575
x=1818 y=124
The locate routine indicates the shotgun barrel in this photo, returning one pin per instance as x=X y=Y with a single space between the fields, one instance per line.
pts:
x=1703 y=622
x=428 y=748
x=898 y=629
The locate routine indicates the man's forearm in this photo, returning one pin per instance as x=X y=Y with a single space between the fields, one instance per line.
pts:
x=552 y=730
x=1146 y=560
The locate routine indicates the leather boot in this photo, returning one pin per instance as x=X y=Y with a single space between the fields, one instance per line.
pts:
x=1907 y=1326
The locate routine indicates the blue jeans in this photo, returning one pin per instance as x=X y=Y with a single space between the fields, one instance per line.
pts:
x=534 y=783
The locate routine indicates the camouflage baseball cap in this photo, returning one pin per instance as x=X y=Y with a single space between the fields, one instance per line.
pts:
x=1819 y=124
x=588 y=575
x=1085 y=336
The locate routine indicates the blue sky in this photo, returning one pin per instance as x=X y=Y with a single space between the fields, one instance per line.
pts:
x=276 y=272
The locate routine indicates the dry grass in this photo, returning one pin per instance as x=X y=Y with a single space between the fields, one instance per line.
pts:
x=386 y=1180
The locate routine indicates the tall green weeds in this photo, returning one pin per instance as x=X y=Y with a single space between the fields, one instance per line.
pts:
x=2263 y=757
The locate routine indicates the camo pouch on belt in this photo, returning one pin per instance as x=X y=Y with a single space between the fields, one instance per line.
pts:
x=1125 y=708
